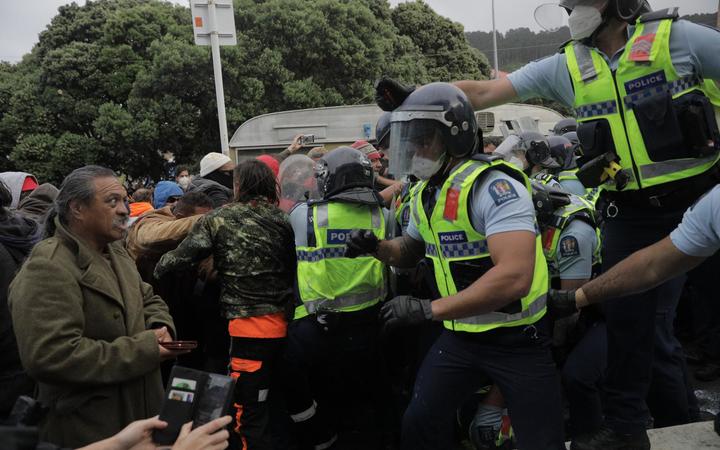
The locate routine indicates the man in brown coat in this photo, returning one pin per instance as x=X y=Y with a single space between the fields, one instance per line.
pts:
x=158 y=231
x=88 y=328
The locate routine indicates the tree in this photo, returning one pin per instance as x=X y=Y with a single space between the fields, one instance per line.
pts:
x=442 y=42
x=120 y=82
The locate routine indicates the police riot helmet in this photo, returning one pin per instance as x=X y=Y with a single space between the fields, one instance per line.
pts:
x=565 y=126
x=435 y=122
x=561 y=149
x=547 y=199
x=625 y=10
x=342 y=169
x=537 y=150
x=575 y=141
x=382 y=131
x=297 y=181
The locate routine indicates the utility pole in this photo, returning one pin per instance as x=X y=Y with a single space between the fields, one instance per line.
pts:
x=495 y=49
x=217 y=72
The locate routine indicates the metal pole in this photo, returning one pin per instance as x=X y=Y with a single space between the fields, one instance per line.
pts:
x=495 y=51
x=217 y=71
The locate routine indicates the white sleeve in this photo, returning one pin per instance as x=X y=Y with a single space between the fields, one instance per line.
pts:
x=698 y=233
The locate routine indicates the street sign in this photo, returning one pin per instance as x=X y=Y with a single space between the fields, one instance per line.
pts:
x=214 y=25
x=224 y=22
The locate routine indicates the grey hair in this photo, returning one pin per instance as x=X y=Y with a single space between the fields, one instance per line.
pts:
x=79 y=187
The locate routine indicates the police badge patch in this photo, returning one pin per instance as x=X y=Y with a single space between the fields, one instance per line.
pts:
x=502 y=191
x=569 y=247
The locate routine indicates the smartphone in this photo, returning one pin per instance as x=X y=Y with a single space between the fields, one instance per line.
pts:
x=179 y=345
x=307 y=139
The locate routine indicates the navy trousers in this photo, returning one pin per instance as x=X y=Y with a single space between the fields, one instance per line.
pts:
x=520 y=363
x=642 y=348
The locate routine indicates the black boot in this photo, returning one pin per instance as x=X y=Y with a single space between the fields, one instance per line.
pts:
x=608 y=439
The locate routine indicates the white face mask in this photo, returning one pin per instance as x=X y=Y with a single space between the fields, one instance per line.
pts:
x=583 y=21
x=184 y=182
x=517 y=162
x=424 y=168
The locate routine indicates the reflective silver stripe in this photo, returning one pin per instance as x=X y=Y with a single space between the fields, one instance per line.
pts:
x=305 y=415
x=498 y=317
x=343 y=301
x=651 y=28
x=430 y=250
x=263 y=395
x=677 y=165
x=327 y=444
x=597 y=109
x=322 y=215
x=462 y=176
x=320 y=254
x=376 y=218
x=584 y=58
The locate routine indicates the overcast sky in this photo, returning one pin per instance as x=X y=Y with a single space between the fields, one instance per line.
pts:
x=22 y=20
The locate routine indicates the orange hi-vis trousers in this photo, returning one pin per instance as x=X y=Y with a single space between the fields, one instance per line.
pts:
x=256 y=345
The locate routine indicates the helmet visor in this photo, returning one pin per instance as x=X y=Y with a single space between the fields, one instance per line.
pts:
x=297 y=181
x=572 y=4
x=412 y=137
x=550 y=17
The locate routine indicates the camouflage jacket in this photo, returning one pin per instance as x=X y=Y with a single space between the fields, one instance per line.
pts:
x=253 y=248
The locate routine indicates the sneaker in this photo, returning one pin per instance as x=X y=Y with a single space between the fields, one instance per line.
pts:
x=708 y=372
x=608 y=439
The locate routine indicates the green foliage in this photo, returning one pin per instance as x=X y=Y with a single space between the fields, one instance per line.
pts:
x=441 y=41
x=120 y=82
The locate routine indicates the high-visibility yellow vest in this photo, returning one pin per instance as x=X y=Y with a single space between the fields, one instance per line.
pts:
x=454 y=246
x=578 y=209
x=327 y=280
x=645 y=70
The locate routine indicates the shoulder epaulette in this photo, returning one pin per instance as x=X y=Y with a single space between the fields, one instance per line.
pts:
x=486 y=158
x=661 y=14
x=561 y=49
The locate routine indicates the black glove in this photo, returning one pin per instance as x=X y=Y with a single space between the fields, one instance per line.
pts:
x=389 y=94
x=361 y=242
x=561 y=303
x=404 y=310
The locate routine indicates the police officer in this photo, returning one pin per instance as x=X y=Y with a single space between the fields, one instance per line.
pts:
x=474 y=221
x=692 y=244
x=339 y=296
x=571 y=244
x=563 y=150
x=624 y=65
x=542 y=158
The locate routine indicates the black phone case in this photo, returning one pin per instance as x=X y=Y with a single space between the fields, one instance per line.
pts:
x=192 y=395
